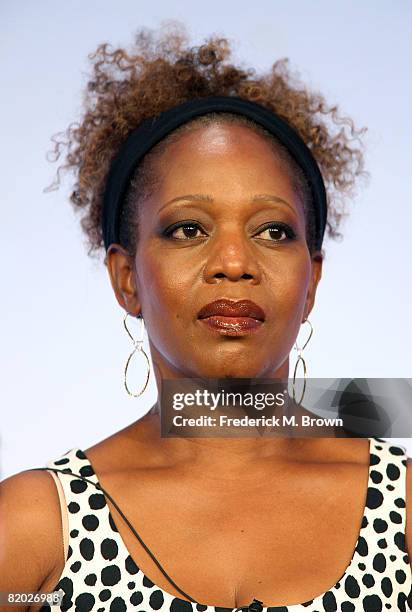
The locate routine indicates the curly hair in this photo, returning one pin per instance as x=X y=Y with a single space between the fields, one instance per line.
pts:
x=163 y=70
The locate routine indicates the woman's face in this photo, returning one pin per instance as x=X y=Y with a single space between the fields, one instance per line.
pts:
x=203 y=236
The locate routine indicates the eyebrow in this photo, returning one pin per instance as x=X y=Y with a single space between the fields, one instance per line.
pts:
x=199 y=197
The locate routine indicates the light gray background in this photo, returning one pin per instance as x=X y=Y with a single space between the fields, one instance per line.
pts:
x=62 y=340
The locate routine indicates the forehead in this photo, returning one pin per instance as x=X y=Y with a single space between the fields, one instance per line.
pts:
x=226 y=158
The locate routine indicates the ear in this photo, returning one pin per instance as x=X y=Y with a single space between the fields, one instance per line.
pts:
x=316 y=275
x=121 y=270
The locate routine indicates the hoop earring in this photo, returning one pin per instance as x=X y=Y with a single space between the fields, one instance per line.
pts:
x=138 y=346
x=301 y=359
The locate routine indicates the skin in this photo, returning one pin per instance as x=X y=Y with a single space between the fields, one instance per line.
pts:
x=169 y=280
x=235 y=501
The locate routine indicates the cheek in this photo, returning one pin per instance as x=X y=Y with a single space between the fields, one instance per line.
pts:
x=296 y=287
x=166 y=292
x=288 y=280
x=163 y=287
x=288 y=286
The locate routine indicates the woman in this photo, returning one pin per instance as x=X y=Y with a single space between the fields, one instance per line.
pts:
x=213 y=233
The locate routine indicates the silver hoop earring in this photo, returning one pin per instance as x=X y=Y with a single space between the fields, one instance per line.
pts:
x=300 y=359
x=138 y=346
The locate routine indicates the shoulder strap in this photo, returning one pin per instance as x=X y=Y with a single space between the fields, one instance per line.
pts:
x=386 y=499
x=63 y=512
x=75 y=478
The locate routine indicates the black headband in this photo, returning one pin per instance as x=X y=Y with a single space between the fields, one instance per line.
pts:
x=153 y=129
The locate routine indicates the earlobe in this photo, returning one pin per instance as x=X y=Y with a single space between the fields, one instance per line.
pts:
x=316 y=275
x=122 y=278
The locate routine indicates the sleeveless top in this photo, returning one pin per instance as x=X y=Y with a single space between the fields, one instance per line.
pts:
x=100 y=575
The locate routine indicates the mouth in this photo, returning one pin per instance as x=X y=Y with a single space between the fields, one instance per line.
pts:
x=232 y=318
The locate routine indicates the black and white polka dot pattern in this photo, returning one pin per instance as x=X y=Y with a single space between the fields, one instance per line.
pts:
x=99 y=574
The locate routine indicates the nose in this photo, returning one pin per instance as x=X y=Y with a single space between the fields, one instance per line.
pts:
x=231 y=257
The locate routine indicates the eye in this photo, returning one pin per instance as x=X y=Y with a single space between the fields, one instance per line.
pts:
x=189 y=230
x=276 y=232
x=184 y=230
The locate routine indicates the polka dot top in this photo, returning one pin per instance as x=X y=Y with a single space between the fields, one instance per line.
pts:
x=99 y=574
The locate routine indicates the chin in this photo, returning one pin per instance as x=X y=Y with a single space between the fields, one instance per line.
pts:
x=217 y=371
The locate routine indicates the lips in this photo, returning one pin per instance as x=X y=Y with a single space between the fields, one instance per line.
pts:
x=230 y=308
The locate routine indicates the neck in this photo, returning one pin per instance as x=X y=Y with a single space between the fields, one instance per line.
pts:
x=229 y=457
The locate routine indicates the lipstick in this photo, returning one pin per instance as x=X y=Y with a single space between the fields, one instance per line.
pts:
x=232 y=318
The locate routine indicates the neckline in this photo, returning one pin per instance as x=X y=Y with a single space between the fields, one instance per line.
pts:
x=375 y=446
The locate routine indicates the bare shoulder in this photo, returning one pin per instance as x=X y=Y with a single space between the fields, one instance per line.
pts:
x=409 y=507
x=30 y=531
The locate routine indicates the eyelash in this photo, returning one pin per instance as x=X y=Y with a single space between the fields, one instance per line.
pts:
x=289 y=232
